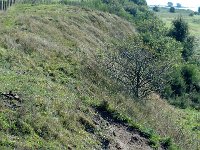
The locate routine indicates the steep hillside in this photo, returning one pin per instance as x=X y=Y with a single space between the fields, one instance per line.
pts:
x=54 y=94
x=44 y=51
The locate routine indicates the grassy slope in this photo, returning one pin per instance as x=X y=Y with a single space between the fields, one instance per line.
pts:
x=48 y=57
x=44 y=52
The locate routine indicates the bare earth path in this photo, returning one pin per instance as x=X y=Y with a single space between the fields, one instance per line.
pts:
x=119 y=136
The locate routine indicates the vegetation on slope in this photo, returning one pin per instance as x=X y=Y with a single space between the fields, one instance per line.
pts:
x=45 y=50
x=52 y=57
x=188 y=91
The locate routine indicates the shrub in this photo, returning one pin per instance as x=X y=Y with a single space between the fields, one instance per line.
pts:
x=190 y=76
x=196 y=13
x=132 y=10
x=182 y=102
x=156 y=9
x=188 y=48
x=139 y=2
x=178 y=86
x=179 y=29
x=172 y=10
x=191 y=14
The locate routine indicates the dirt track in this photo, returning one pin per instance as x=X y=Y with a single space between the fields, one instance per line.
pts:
x=119 y=136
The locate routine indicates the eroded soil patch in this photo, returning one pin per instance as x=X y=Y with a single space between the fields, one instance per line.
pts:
x=119 y=136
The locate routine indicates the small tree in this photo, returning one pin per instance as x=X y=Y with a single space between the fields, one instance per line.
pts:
x=172 y=10
x=137 y=69
x=169 y=4
x=199 y=10
x=179 y=29
x=156 y=9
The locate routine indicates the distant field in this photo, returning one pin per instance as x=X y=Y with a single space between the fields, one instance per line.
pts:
x=193 y=21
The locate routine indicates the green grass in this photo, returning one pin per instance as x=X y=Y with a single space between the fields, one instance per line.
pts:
x=48 y=57
x=45 y=50
x=193 y=21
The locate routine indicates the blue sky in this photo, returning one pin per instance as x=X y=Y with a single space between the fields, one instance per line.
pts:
x=185 y=3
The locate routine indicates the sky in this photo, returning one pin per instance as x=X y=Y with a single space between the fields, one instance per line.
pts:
x=185 y=3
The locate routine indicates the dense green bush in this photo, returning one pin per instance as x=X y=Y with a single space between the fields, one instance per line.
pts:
x=178 y=86
x=190 y=75
x=179 y=29
x=191 y=14
x=172 y=10
x=139 y=2
x=182 y=91
x=188 y=48
x=156 y=9
x=133 y=10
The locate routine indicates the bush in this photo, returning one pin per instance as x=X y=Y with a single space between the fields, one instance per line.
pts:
x=178 y=86
x=184 y=87
x=179 y=29
x=132 y=10
x=172 y=10
x=139 y=2
x=190 y=76
x=156 y=9
x=191 y=14
x=188 y=48
x=196 y=13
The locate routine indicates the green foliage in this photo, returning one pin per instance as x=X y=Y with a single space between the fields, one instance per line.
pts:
x=147 y=22
x=138 y=69
x=191 y=14
x=184 y=86
x=139 y=2
x=172 y=10
x=156 y=9
x=42 y=60
x=167 y=143
x=179 y=29
x=133 y=10
x=198 y=9
x=188 y=48
x=180 y=32
x=178 y=86
x=190 y=75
